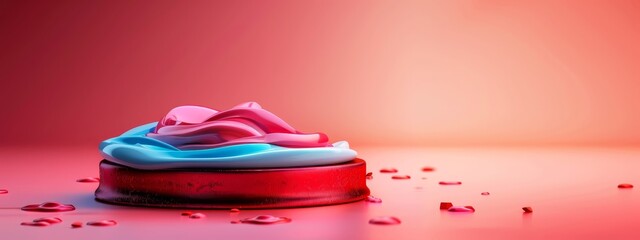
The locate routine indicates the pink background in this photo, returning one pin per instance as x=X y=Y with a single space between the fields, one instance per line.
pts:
x=377 y=73
x=382 y=73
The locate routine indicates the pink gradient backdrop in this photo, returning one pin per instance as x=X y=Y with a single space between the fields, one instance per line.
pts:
x=384 y=72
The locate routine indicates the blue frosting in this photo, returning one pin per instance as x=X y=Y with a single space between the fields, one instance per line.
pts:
x=134 y=149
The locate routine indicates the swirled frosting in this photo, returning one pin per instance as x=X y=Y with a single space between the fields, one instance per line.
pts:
x=245 y=136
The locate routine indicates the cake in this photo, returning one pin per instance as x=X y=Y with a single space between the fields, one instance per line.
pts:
x=243 y=157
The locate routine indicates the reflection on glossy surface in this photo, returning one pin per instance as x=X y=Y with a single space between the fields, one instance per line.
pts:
x=461 y=209
x=49 y=207
x=386 y=220
x=574 y=193
x=48 y=220
x=266 y=219
x=373 y=199
x=88 y=180
x=197 y=215
x=35 y=224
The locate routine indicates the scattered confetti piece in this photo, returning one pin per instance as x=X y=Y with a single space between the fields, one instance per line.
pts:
x=234 y=210
x=527 y=209
x=4 y=191
x=88 y=180
x=373 y=199
x=385 y=221
x=484 y=193
x=449 y=182
x=76 y=225
x=388 y=170
x=428 y=169
x=186 y=213
x=445 y=205
x=401 y=177
x=102 y=223
x=461 y=209
x=369 y=176
x=625 y=185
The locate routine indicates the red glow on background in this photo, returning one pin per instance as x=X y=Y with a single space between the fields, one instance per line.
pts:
x=426 y=73
x=390 y=72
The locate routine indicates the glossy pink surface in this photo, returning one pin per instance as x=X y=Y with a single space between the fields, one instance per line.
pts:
x=573 y=192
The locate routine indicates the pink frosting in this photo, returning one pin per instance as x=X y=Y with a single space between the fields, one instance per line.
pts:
x=193 y=127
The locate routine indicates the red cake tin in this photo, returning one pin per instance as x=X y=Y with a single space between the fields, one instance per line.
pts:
x=233 y=188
